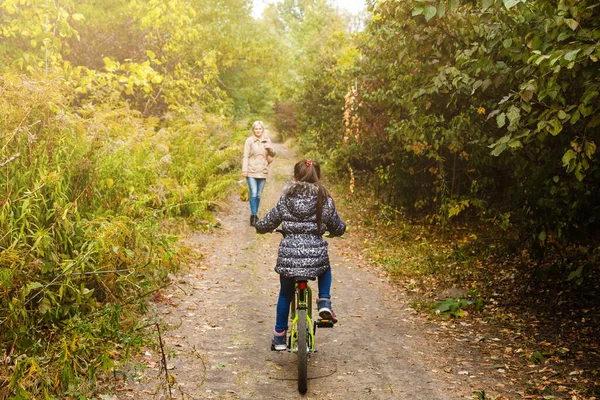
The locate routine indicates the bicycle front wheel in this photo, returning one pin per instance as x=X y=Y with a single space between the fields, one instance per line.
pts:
x=302 y=352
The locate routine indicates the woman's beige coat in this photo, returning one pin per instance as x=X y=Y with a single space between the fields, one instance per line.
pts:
x=255 y=157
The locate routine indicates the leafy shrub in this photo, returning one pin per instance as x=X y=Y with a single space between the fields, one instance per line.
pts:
x=457 y=308
x=459 y=110
x=81 y=245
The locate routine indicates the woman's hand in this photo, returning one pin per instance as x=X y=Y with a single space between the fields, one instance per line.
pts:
x=245 y=174
x=267 y=145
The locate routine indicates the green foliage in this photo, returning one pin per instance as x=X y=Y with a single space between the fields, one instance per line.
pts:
x=83 y=197
x=457 y=308
x=452 y=308
x=96 y=158
x=537 y=358
x=33 y=31
x=108 y=30
x=320 y=56
x=479 y=109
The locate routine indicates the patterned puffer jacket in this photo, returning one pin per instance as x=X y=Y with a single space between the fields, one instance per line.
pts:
x=302 y=251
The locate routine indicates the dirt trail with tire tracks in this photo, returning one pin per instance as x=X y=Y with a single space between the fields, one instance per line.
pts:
x=219 y=320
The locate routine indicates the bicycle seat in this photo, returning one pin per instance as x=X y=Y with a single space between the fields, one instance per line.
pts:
x=304 y=278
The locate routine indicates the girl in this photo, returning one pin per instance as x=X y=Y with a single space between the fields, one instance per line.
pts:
x=255 y=165
x=304 y=211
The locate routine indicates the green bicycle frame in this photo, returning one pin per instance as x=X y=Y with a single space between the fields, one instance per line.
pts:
x=302 y=301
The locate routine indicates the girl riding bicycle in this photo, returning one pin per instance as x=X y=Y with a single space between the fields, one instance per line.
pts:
x=305 y=212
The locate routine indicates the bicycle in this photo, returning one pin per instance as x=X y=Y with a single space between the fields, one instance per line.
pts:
x=302 y=334
x=301 y=339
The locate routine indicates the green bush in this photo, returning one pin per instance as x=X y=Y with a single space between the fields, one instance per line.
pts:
x=82 y=244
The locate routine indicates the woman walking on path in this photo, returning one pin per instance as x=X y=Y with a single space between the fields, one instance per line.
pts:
x=304 y=211
x=258 y=154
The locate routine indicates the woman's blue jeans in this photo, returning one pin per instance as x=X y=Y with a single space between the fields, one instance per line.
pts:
x=286 y=294
x=255 y=186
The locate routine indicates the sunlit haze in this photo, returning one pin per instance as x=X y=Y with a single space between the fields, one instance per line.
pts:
x=352 y=6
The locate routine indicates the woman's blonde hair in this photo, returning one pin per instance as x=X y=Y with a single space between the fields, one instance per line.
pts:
x=258 y=123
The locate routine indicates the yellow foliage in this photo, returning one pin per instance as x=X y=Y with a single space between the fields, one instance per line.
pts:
x=244 y=193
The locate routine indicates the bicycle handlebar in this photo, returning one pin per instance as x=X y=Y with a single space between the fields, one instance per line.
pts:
x=328 y=235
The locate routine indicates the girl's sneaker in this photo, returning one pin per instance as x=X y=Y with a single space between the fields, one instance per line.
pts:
x=278 y=342
x=325 y=310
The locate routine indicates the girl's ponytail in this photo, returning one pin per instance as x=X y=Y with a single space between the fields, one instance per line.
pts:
x=310 y=171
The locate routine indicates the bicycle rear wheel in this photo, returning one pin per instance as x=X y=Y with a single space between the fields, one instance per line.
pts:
x=302 y=352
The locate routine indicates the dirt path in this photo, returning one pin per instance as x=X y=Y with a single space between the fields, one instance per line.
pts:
x=220 y=318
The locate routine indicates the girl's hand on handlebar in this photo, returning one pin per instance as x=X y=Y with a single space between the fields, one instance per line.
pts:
x=329 y=235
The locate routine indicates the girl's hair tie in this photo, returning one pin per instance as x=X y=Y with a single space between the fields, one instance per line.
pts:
x=308 y=163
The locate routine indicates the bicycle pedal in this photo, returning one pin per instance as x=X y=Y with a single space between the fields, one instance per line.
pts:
x=274 y=349
x=325 y=323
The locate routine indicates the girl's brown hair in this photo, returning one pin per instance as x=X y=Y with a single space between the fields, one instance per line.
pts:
x=310 y=171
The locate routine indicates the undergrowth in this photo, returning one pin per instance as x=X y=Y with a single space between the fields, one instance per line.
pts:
x=474 y=276
x=88 y=197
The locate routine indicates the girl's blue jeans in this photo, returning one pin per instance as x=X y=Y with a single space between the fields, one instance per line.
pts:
x=255 y=186
x=286 y=294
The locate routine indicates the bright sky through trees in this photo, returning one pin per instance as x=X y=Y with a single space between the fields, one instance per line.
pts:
x=352 y=6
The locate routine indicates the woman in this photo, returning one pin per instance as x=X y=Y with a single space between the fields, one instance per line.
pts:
x=255 y=166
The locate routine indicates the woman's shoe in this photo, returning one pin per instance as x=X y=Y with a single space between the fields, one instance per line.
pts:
x=253 y=219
